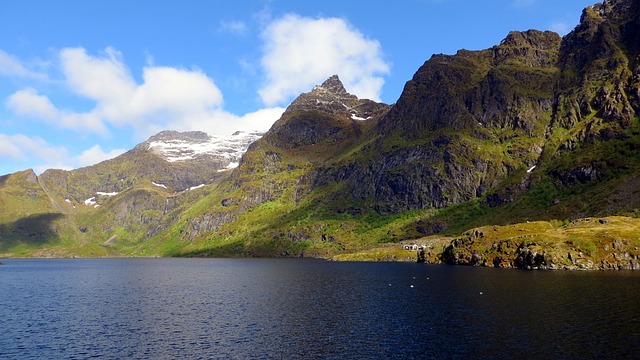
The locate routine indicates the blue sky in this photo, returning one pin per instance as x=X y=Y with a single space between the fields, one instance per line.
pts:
x=82 y=81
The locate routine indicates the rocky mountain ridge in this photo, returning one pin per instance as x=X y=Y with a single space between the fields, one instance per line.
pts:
x=175 y=160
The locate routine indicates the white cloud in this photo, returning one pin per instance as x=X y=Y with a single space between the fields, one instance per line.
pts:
x=225 y=123
x=9 y=149
x=28 y=102
x=301 y=52
x=171 y=90
x=105 y=79
x=21 y=147
x=261 y=119
x=95 y=155
x=11 y=66
x=167 y=96
x=34 y=150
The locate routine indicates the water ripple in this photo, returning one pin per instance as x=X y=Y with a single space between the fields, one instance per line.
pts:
x=300 y=309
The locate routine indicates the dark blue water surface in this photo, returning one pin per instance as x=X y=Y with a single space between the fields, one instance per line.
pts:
x=298 y=308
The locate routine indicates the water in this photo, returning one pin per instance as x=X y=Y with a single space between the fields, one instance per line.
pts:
x=297 y=308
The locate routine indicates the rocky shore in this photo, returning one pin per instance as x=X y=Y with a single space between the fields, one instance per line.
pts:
x=611 y=243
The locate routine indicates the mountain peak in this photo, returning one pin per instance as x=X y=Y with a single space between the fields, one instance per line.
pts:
x=332 y=85
x=325 y=112
x=172 y=135
x=330 y=97
x=543 y=40
x=614 y=8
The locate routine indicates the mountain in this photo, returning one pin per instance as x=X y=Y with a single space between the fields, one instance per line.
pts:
x=132 y=195
x=479 y=137
x=26 y=211
x=524 y=143
x=462 y=125
x=172 y=160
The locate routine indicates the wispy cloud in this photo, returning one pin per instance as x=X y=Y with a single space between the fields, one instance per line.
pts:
x=95 y=155
x=300 y=52
x=233 y=27
x=21 y=147
x=561 y=27
x=32 y=150
x=35 y=150
x=12 y=66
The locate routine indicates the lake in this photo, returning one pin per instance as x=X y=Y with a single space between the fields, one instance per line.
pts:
x=303 y=308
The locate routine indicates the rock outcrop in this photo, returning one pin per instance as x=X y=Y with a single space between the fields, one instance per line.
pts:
x=527 y=246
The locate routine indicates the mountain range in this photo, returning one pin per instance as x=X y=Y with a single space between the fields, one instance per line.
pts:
x=539 y=129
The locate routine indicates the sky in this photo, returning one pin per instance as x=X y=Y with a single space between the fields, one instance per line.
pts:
x=84 y=81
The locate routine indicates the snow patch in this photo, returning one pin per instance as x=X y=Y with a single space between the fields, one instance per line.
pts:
x=229 y=148
x=159 y=185
x=96 y=206
x=531 y=169
x=106 y=193
x=90 y=201
x=232 y=165
x=196 y=187
x=355 y=117
x=67 y=201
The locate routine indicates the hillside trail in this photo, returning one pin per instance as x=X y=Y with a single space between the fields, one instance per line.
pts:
x=55 y=204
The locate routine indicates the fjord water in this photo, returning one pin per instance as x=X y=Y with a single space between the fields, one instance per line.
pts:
x=299 y=308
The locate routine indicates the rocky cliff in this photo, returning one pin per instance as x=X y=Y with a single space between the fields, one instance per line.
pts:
x=462 y=125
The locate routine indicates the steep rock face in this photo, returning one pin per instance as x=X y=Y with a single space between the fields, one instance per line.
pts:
x=495 y=87
x=595 y=128
x=600 y=67
x=462 y=125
